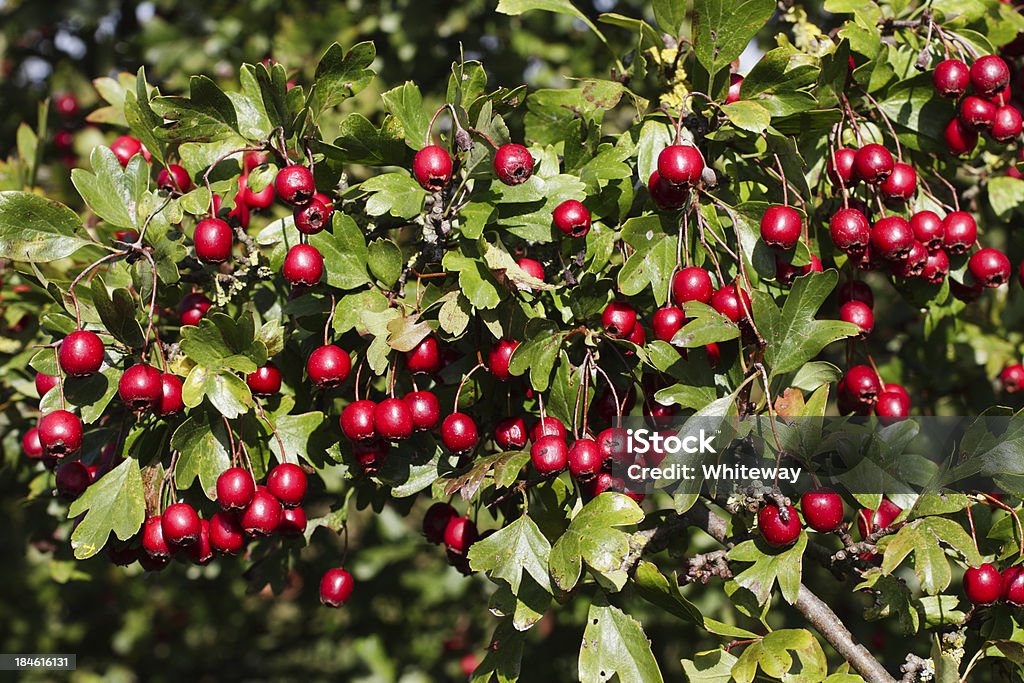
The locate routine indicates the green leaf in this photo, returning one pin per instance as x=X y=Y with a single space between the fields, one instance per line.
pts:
x=785 y=566
x=670 y=15
x=344 y=251
x=385 y=261
x=710 y=667
x=115 y=503
x=749 y=116
x=592 y=537
x=360 y=142
x=504 y=656
x=405 y=332
x=140 y=116
x=340 y=76
x=36 y=229
x=91 y=395
x=1005 y=195
x=706 y=326
x=206 y=115
x=518 y=547
x=395 y=193
x=793 y=336
x=202 y=442
x=114 y=193
x=476 y=282
x=514 y=7
x=654 y=587
x=615 y=646
x=405 y=103
x=221 y=342
x=227 y=392
x=117 y=314
x=722 y=29
x=296 y=432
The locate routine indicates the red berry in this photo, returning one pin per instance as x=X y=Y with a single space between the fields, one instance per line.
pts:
x=32 y=447
x=983 y=585
x=266 y=381
x=424 y=357
x=201 y=552
x=840 y=169
x=990 y=267
x=850 y=231
x=774 y=530
x=823 y=509
x=293 y=522
x=357 y=420
x=287 y=483
x=66 y=105
x=392 y=419
x=72 y=479
x=680 y=165
x=548 y=426
x=171 y=401
x=731 y=302
x=459 y=534
x=459 y=433
x=303 y=266
x=859 y=314
x=513 y=164
x=936 y=267
x=328 y=366
x=257 y=201
x=432 y=167
x=294 y=185
x=510 y=434
x=977 y=113
x=532 y=268
x=892 y=406
x=873 y=163
x=666 y=322
x=192 y=308
x=959 y=138
x=549 y=455
x=892 y=238
x=1013 y=586
x=226 y=534
x=213 y=240
x=960 y=232
x=913 y=265
x=602 y=483
x=153 y=541
x=781 y=227
x=989 y=75
x=951 y=78
x=80 y=354
x=499 y=357
x=1006 y=124
x=862 y=385
x=141 y=387
x=1012 y=378
x=666 y=196
x=735 y=84
x=584 y=458
x=619 y=319
x=174 y=178
x=44 y=383
x=856 y=290
x=263 y=515
x=312 y=217
x=424 y=408
x=235 y=489
x=692 y=284
x=928 y=230
x=180 y=524
x=881 y=518
x=572 y=218
x=336 y=587
x=901 y=183
x=435 y=521
x=60 y=433
x=125 y=147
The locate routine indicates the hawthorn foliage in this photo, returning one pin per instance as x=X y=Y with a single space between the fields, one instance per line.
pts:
x=403 y=335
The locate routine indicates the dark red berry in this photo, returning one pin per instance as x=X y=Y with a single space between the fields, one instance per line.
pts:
x=735 y=84
x=153 y=541
x=983 y=585
x=881 y=518
x=666 y=196
x=859 y=314
x=680 y=165
x=171 y=401
x=499 y=357
x=72 y=479
x=180 y=524
x=840 y=167
x=266 y=381
x=328 y=366
x=585 y=458
x=80 y=354
x=549 y=455
x=459 y=433
x=989 y=75
x=424 y=408
x=510 y=434
x=1012 y=378
x=928 y=230
x=990 y=267
x=936 y=267
x=257 y=201
x=303 y=266
x=226 y=534
x=32 y=447
x=44 y=383
x=235 y=489
x=125 y=147
x=873 y=163
x=513 y=164
x=192 y=308
x=862 y=385
x=731 y=302
x=66 y=105
x=823 y=509
x=548 y=426
x=892 y=406
x=977 y=113
x=781 y=226
x=959 y=138
x=901 y=183
x=892 y=238
x=951 y=78
x=293 y=522
x=392 y=419
x=856 y=290
x=776 y=531
x=460 y=534
x=312 y=217
x=287 y=483
x=424 y=357
x=201 y=552
x=140 y=387
x=913 y=265
x=1013 y=586
x=213 y=240
x=174 y=178
x=532 y=268
x=432 y=167
x=336 y=587
x=294 y=185
x=960 y=232
x=850 y=231
x=666 y=322
x=1006 y=124
x=263 y=515
x=357 y=420
x=572 y=218
x=60 y=433
x=619 y=319
x=435 y=521
x=692 y=284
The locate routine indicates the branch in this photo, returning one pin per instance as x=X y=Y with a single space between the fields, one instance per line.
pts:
x=818 y=614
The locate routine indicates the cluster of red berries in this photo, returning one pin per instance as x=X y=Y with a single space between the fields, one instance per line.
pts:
x=985 y=585
x=862 y=391
x=822 y=509
x=680 y=169
x=442 y=524
x=987 y=110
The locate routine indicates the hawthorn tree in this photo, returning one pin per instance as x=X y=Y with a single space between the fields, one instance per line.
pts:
x=270 y=304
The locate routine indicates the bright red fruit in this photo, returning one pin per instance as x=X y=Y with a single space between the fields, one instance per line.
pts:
x=499 y=357
x=989 y=75
x=873 y=163
x=680 y=165
x=774 y=529
x=72 y=479
x=584 y=458
x=432 y=167
x=959 y=138
x=312 y=217
x=235 y=489
x=226 y=534
x=1012 y=378
x=459 y=433
x=140 y=387
x=928 y=230
x=424 y=357
x=171 y=401
x=732 y=302
x=572 y=218
x=303 y=266
x=859 y=314
x=549 y=455
x=619 y=319
x=287 y=483
x=548 y=426
x=392 y=419
x=459 y=534
x=881 y=518
x=266 y=381
x=424 y=408
x=294 y=185
x=951 y=78
x=213 y=240
x=328 y=366
x=263 y=515
x=1006 y=124
x=336 y=587
x=823 y=509
x=60 y=433
x=357 y=420
x=80 y=354
x=901 y=183
x=983 y=584
x=180 y=524
x=692 y=284
x=850 y=231
x=513 y=164
x=781 y=227
x=990 y=267
x=666 y=321
x=666 y=196
x=861 y=384
x=960 y=232
x=840 y=167
x=153 y=541
x=174 y=178
x=510 y=434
